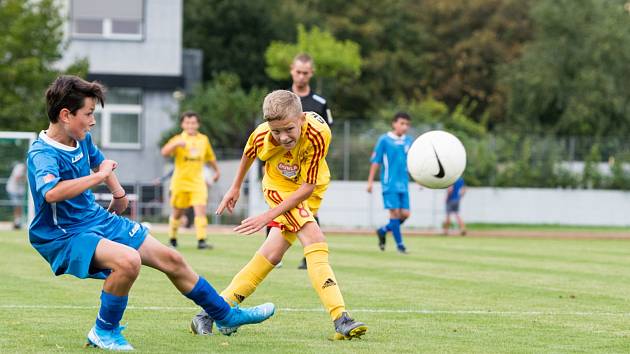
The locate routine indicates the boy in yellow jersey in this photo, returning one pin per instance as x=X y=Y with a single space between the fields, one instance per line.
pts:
x=293 y=144
x=191 y=150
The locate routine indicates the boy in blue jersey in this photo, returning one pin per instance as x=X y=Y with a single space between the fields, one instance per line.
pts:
x=453 y=197
x=77 y=236
x=390 y=155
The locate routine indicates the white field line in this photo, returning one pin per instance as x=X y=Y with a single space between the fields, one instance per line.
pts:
x=289 y=309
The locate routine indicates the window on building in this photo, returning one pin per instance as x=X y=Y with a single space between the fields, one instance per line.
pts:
x=111 y=19
x=118 y=123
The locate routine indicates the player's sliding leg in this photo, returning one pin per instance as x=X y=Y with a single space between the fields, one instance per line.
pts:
x=325 y=284
x=196 y=288
x=247 y=280
x=124 y=263
x=174 y=221
x=201 y=224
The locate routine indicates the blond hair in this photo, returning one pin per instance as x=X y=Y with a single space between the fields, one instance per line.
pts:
x=281 y=104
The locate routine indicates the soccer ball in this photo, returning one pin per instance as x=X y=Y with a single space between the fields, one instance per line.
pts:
x=436 y=159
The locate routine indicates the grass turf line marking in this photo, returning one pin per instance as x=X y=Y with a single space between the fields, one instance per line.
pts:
x=289 y=309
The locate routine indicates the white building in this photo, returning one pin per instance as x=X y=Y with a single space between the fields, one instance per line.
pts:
x=134 y=47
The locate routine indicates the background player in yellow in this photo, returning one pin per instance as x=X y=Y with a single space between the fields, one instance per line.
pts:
x=293 y=144
x=191 y=150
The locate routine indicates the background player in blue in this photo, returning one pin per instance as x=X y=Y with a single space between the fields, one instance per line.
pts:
x=77 y=236
x=454 y=195
x=390 y=155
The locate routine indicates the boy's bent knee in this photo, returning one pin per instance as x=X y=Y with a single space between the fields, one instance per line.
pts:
x=129 y=263
x=311 y=233
x=172 y=261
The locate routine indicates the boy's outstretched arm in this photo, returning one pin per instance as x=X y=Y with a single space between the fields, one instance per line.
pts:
x=373 y=169
x=69 y=189
x=232 y=195
x=255 y=223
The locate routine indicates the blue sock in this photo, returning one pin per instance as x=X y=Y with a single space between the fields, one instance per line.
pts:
x=384 y=229
x=111 y=311
x=394 y=224
x=204 y=295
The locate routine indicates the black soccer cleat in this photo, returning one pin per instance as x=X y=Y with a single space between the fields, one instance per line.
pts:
x=202 y=245
x=173 y=242
x=381 y=239
x=201 y=324
x=347 y=328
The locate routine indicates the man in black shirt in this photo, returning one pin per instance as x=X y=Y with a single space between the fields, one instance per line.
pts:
x=302 y=70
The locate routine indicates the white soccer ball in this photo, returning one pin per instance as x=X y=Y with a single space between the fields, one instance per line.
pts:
x=147 y=225
x=436 y=159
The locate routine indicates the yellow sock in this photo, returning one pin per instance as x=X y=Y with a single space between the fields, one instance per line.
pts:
x=247 y=280
x=173 y=225
x=323 y=279
x=200 y=227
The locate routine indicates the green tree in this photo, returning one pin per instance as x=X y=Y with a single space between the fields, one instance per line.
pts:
x=449 y=49
x=31 y=36
x=333 y=58
x=233 y=35
x=228 y=112
x=572 y=79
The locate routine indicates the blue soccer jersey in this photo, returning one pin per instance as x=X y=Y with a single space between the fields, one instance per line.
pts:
x=391 y=153
x=50 y=162
x=457 y=190
x=66 y=233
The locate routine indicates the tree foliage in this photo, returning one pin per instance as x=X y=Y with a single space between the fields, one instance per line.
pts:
x=333 y=58
x=31 y=35
x=228 y=113
x=572 y=79
x=233 y=35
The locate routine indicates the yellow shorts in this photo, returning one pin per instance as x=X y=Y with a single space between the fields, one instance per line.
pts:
x=292 y=221
x=183 y=200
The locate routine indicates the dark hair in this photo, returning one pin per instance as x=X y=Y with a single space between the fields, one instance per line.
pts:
x=189 y=114
x=69 y=92
x=401 y=115
x=304 y=58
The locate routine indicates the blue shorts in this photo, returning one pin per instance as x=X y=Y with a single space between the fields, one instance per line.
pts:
x=452 y=206
x=72 y=253
x=396 y=200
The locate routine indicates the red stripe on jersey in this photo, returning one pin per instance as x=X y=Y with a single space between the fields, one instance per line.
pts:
x=318 y=151
x=259 y=141
x=317 y=140
x=290 y=218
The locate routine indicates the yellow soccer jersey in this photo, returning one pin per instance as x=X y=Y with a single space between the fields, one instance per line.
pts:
x=189 y=161
x=286 y=170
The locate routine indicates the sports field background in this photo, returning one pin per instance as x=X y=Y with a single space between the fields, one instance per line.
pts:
x=449 y=295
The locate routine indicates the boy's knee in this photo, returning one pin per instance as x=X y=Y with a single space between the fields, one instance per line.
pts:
x=311 y=233
x=129 y=263
x=273 y=257
x=404 y=214
x=173 y=261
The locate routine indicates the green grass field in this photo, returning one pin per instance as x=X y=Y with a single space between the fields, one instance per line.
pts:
x=450 y=295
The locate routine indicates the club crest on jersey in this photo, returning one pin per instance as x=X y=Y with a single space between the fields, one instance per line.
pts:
x=77 y=157
x=287 y=170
